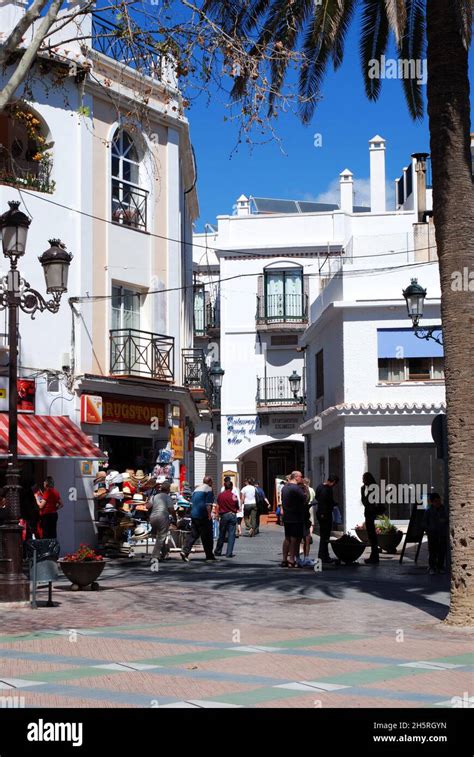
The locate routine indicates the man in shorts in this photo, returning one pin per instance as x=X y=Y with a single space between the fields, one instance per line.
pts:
x=295 y=514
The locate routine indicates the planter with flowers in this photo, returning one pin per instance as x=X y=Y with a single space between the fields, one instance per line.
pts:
x=388 y=535
x=83 y=568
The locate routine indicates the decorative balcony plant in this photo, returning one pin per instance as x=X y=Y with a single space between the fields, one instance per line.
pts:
x=83 y=568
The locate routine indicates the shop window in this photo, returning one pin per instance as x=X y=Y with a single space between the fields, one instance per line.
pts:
x=419 y=369
x=25 y=150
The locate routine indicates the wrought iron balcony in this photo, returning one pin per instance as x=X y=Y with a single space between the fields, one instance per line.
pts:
x=115 y=42
x=196 y=376
x=277 y=310
x=275 y=392
x=143 y=354
x=129 y=205
x=213 y=318
x=207 y=319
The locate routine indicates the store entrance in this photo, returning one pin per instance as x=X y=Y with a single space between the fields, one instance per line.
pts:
x=278 y=460
x=130 y=452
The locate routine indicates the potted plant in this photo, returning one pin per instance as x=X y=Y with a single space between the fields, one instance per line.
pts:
x=361 y=532
x=83 y=568
x=388 y=535
x=347 y=549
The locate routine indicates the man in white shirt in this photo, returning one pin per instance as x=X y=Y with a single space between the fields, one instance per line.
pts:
x=248 y=498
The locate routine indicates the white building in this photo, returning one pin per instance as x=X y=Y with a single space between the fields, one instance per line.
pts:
x=276 y=258
x=118 y=188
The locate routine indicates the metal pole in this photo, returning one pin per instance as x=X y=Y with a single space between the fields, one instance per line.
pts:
x=14 y=587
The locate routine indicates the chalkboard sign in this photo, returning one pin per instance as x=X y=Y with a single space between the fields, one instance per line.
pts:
x=415 y=530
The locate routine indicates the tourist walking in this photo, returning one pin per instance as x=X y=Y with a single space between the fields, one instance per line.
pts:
x=369 y=498
x=161 y=507
x=49 y=502
x=201 y=520
x=248 y=497
x=436 y=527
x=228 y=506
x=325 y=498
x=294 y=503
x=263 y=505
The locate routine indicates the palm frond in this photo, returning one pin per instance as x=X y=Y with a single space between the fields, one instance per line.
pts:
x=317 y=48
x=341 y=31
x=412 y=53
x=397 y=17
x=373 y=44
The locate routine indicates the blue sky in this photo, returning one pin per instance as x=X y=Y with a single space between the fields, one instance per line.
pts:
x=346 y=121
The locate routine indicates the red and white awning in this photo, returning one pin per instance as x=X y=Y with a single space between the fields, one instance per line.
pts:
x=48 y=436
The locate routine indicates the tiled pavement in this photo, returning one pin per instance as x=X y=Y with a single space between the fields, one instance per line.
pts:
x=240 y=633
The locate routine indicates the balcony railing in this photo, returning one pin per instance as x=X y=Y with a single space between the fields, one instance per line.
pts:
x=206 y=320
x=196 y=376
x=115 y=42
x=129 y=205
x=282 y=309
x=141 y=353
x=275 y=391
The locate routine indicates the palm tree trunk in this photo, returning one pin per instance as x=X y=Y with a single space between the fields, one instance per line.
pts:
x=453 y=212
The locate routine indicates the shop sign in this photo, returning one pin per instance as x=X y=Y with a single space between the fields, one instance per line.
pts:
x=177 y=442
x=26 y=390
x=91 y=409
x=240 y=429
x=125 y=410
x=285 y=424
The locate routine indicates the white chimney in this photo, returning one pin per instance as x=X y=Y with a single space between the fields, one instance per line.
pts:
x=346 y=185
x=377 y=174
x=243 y=206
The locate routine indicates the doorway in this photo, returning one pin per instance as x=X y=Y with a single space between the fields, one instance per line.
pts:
x=278 y=460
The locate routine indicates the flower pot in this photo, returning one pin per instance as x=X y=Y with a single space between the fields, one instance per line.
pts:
x=362 y=534
x=390 y=541
x=347 y=551
x=82 y=573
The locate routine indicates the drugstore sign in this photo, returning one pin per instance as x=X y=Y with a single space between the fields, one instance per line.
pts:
x=123 y=410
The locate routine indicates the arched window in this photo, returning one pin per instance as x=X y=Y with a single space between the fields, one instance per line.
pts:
x=25 y=149
x=129 y=201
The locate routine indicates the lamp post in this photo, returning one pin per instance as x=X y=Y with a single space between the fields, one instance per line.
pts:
x=15 y=295
x=295 y=385
x=415 y=299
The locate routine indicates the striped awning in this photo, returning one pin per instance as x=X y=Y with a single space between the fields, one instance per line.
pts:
x=47 y=436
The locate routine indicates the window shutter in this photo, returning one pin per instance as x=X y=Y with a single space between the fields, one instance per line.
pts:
x=305 y=294
x=260 y=296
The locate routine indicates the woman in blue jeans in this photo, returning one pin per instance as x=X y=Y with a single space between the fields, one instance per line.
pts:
x=228 y=506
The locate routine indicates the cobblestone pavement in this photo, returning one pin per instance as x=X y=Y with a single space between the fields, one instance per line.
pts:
x=242 y=632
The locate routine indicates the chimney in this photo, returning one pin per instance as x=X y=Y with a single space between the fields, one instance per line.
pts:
x=377 y=174
x=420 y=171
x=346 y=185
x=243 y=206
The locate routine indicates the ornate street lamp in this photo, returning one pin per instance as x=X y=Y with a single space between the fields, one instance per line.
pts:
x=415 y=298
x=16 y=294
x=295 y=384
x=217 y=374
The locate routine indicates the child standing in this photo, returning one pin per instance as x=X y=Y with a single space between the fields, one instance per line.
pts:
x=436 y=527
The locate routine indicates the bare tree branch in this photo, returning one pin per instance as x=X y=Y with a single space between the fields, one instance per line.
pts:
x=16 y=35
x=29 y=56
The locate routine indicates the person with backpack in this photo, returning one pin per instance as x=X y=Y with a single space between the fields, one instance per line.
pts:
x=263 y=505
x=248 y=497
x=324 y=515
x=372 y=508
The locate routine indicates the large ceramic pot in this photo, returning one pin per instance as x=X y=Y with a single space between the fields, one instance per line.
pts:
x=390 y=541
x=82 y=573
x=347 y=551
